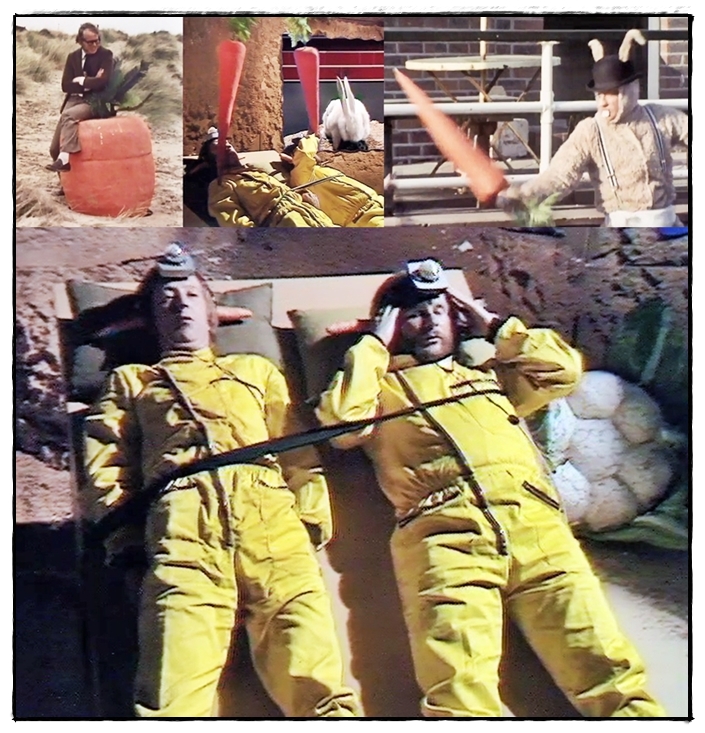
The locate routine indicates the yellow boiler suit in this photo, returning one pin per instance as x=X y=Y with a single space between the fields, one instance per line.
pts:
x=349 y=203
x=251 y=198
x=218 y=541
x=480 y=529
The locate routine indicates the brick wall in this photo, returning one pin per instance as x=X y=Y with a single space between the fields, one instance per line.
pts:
x=673 y=76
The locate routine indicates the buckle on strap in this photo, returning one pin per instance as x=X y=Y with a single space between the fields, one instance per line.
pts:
x=433 y=500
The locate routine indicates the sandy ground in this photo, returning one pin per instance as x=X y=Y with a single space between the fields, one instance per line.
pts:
x=648 y=588
x=37 y=114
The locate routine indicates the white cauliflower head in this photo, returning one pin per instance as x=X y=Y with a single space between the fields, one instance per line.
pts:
x=611 y=505
x=555 y=431
x=596 y=449
x=647 y=471
x=597 y=395
x=638 y=416
x=574 y=490
x=606 y=445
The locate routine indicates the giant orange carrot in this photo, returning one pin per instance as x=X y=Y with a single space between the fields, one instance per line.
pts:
x=486 y=179
x=231 y=58
x=307 y=65
x=226 y=314
x=232 y=313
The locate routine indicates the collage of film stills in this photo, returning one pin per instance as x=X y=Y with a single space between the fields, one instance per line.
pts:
x=437 y=467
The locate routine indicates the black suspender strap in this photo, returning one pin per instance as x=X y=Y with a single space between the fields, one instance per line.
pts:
x=611 y=175
x=469 y=475
x=657 y=134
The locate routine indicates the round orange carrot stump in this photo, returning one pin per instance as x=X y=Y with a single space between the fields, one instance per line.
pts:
x=486 y=179
x=231 y=59
x=308 y=65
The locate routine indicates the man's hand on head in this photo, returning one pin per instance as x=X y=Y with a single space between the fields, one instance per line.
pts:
x=475 y=307
x=386 y=324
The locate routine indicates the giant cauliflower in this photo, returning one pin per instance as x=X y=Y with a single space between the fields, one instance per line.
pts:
x=606 y=448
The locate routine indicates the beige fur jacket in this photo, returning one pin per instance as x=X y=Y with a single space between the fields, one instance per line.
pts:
x=642 y=182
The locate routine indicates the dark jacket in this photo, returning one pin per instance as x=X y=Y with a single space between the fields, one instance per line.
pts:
x=101 y=59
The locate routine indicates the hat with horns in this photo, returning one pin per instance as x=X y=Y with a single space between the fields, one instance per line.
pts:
x=611 y=72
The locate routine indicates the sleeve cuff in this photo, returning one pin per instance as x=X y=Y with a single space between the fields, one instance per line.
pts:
x=493 y=328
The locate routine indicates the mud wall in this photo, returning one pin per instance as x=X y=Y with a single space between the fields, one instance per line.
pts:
x=257 y=119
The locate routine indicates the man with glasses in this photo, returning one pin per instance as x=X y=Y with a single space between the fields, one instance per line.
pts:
x=87 y=70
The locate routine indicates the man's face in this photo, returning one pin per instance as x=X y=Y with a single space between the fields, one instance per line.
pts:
x=90 y=42
x=608 y=103
x=429 y=328
x=231 y=158
x=181 y=315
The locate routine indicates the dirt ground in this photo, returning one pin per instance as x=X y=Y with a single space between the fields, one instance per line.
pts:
x=567 y=282
x=37 y=113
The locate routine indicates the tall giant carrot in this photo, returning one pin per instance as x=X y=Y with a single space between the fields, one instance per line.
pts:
x=486 y=179
x=308 y=65
x=231 y=59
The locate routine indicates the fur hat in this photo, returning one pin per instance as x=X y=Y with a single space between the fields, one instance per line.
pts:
x=612 y=72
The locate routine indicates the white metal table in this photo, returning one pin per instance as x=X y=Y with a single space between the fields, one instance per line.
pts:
x=484 y=74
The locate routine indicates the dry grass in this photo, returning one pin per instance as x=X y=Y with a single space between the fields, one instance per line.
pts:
x=161 y=91
x=38 y=205
x=53 y=48
x=37 y=55
x=29 y=65
x=110 y=36
x=153 y=47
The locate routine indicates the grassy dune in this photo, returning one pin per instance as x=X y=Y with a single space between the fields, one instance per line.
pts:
x=39 y=54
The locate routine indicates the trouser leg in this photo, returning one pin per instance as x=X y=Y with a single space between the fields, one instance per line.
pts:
x=187 y=613
x=65 y=138
x=293 y=641
x=450 y=580
x=564 y=615
x=55 y=147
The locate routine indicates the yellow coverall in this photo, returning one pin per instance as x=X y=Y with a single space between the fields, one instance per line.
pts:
x=219 y=540
x=480 y=529
x=349 y=203
x=251 y=198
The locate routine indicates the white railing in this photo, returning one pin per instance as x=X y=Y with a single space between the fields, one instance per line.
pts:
x=545 y=107
x=435 y=183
